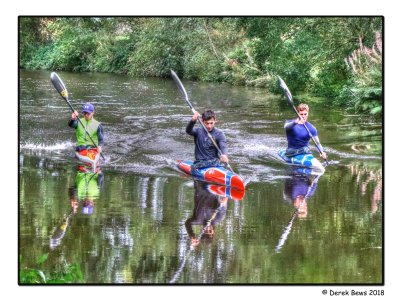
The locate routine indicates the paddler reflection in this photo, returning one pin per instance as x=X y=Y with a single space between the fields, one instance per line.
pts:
x=210 y=204
x=299 y=187
x=82 y=197
x=209 y=210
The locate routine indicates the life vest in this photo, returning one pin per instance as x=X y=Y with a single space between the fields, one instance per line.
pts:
x=91 y=127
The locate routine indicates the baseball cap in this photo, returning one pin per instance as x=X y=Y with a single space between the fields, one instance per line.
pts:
x=88 y=107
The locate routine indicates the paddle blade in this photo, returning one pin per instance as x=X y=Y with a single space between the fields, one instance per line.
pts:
x=286 y=90
x=181 y=88
x=59 y=85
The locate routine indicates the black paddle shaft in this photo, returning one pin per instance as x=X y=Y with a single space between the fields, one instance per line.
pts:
x=62 y=90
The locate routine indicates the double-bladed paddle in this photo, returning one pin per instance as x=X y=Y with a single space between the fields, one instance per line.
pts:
x=185 y=95
x=290 y=101
x=62 y=90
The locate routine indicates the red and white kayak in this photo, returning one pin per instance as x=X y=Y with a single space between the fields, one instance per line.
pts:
x=89 y=160
x=217 y=175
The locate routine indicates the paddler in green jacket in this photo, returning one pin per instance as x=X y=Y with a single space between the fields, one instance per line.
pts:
x=92 y=126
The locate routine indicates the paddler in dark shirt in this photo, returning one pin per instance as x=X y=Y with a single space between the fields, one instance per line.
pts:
x=92 y=126
x=206 y=154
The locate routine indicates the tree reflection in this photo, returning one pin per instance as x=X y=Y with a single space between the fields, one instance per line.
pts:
x=365 y=177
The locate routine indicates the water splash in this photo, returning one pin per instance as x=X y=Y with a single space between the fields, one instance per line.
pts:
x=44 y=147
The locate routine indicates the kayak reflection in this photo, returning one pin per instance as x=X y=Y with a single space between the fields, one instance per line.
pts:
x=225 y=191
x=83 y=194
x=299 y=187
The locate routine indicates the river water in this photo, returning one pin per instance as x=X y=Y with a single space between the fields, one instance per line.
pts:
x=132 y=223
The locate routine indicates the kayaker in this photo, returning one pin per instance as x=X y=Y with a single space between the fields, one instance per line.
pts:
x=206 y=154
x=298 y=136
x=92 y=126
x=209 y=210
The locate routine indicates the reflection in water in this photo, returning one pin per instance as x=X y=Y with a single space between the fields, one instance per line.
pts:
x=157 y=198
x=366 y=176
x=209 y=210
x=84 y=193
x=142 y=191
x=225 y=191
x=135 y=235
x=299 y=187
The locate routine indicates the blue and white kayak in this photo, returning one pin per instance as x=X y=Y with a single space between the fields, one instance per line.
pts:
x=217 y=175
x=302 y=160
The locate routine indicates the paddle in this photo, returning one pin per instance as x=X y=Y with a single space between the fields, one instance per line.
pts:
x=62 y=90
x=59 y=232
x=290 y=101
x=185 y=95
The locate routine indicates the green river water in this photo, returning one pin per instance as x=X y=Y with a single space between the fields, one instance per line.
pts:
x=127 y=225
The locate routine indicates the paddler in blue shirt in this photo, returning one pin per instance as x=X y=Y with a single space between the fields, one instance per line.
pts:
x=92 y=126
x=298 y=136
x=206 y=154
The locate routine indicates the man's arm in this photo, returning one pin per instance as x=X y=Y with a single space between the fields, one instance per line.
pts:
x=289 y=124
x=223 y=146
x=73 y=122
x=190 y=125
x=319 y=146
x=190 y=128
x=100 y=135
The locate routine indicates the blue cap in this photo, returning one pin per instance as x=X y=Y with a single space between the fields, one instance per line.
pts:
x=88 y=107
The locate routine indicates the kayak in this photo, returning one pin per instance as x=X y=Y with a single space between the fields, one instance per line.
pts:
x=217 y=175
x=302 y=160
x=89 y=160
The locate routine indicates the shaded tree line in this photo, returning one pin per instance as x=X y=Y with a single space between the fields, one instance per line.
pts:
x=335 y=59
